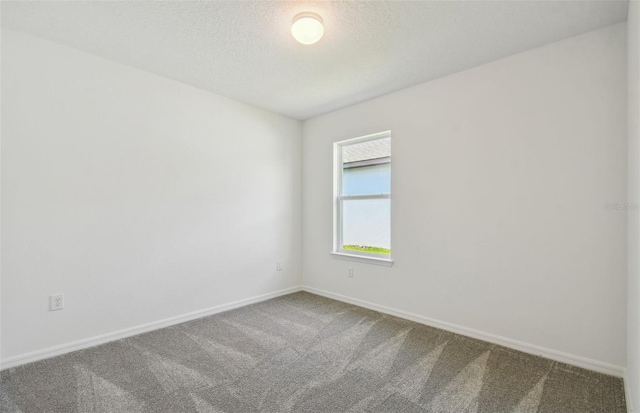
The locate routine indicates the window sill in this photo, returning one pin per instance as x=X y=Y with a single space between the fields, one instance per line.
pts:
x=387 y=262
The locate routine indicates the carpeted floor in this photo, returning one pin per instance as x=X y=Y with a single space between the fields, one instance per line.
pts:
x=304 y=353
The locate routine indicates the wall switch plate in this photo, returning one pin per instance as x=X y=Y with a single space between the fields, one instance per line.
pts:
x=56 y=302
x=278 y=265
x=350 y=273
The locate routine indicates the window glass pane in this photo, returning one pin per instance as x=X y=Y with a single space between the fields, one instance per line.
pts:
x=374 y=179
x=366 y=167
x=366 y=225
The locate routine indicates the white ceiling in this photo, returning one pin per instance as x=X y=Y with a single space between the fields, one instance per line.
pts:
x=244 y=50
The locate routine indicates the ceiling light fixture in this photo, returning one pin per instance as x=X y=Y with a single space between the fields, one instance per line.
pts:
x=307 y=28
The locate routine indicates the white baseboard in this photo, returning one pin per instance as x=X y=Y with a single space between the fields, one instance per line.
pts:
x=132 y=331
x=571 y=359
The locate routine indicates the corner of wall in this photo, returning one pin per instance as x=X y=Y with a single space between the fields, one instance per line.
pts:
x=632 y=374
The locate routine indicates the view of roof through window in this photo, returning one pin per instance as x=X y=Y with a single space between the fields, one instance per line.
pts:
x=368 y=150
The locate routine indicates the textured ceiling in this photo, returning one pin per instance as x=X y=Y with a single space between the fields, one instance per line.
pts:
x=244 y=50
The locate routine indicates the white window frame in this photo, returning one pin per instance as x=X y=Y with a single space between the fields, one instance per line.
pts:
x=338 y=198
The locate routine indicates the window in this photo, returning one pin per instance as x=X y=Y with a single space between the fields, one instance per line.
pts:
x=362 y=195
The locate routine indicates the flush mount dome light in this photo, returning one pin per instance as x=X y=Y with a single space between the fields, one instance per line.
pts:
x=307 y=28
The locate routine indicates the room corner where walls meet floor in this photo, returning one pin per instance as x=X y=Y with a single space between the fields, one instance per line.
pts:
x=302 y=352
x=577 y=361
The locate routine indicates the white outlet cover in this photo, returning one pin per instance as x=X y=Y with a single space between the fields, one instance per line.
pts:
x=56 y=302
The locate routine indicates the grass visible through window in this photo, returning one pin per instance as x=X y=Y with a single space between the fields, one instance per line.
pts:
x=364 y=248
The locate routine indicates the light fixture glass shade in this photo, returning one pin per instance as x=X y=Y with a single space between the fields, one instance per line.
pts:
x=307 y=28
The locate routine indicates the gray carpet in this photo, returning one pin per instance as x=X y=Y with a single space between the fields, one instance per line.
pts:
x=304 y=353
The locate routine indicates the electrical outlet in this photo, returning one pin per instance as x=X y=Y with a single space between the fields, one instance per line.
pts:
x=56 y=302
x=278 y=265
x=350 y=273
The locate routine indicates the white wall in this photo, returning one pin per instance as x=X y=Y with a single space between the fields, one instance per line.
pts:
x=500 y=178
x=138 y=197
x=633 y=297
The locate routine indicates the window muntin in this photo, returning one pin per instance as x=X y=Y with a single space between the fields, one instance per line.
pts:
x=363 y=196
